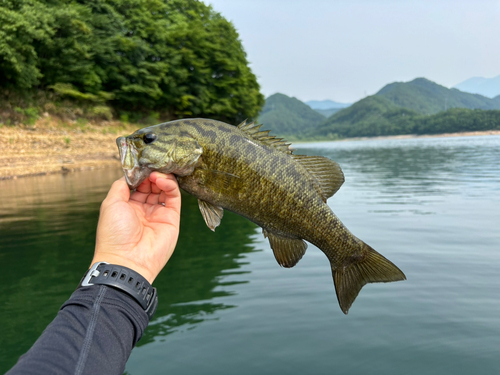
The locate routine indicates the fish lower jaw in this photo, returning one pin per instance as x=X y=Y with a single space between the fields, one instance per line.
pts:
x=135 y=176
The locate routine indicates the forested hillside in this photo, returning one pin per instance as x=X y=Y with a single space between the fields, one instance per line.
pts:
x=427 y=97
x=416 y=107
x=288 y=117
x=376 y=116
x=371 y=116
x=176 y=58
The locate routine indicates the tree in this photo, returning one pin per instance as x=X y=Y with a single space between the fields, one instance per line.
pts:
x=178 y=57
x=21 y=25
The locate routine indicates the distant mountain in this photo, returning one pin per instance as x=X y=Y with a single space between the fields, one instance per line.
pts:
x=326 y=104
x=288 y=117
x=376 y=116
x=427 y=97
x=371 y=116
x=489 y=87
x=417 y=107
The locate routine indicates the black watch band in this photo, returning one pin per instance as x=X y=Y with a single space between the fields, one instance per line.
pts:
x=125 y=279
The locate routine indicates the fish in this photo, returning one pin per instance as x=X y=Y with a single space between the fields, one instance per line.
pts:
x=246 y=170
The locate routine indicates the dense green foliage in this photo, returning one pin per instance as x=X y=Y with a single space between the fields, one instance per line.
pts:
x=177 y=57
x=427 y=97
x=288 y=117
x=457 y=120
x=377 y=116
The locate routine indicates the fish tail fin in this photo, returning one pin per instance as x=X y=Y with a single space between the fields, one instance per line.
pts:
x=370 y=268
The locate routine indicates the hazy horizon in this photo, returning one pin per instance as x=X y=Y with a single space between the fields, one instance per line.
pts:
x=346 y=50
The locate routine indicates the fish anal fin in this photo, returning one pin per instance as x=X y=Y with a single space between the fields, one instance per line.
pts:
x=211 y=213
x=327 y=172
x=287 y=251
x=372 y=267
x=253 y=130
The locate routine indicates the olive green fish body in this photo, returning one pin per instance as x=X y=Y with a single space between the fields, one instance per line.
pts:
x=244 y=170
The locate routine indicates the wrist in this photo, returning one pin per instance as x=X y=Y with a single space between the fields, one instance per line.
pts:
x=124 y=279
x=125 y=262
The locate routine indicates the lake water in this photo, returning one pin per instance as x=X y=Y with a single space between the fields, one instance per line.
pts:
x=430 y=205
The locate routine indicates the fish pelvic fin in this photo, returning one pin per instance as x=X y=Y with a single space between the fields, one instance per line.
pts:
x=211 y=213
x=370 y=268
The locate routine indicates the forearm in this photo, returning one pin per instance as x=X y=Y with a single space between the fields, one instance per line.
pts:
x=93 y=333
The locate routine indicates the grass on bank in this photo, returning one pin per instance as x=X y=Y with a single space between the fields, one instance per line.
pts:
x=49 y=110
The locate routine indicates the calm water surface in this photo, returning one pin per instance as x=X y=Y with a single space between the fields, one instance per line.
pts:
x=432 y=206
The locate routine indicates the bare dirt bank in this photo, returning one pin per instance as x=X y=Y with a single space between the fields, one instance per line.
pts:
x=49 y=147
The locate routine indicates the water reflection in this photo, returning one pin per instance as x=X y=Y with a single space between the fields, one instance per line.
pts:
x=415 y=171
x=47 y=232
x=426 y=163
x=197 y=273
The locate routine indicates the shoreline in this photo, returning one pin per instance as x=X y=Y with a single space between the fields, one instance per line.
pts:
x=48 y=148
x=412 y=136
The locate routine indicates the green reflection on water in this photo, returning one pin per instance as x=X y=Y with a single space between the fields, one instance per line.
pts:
x=195 y=272
x=47 y=229
x=47 y=232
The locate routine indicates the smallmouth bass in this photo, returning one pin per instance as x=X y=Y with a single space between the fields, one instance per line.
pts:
x=249 y=172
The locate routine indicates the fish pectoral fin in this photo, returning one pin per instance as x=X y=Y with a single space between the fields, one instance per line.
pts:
x=287 y=251
x=327 y=172
x=212 y=214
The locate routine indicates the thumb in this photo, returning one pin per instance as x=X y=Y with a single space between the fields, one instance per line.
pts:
x=119 y=192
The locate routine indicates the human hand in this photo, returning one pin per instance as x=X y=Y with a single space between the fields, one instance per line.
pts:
x=136 y=230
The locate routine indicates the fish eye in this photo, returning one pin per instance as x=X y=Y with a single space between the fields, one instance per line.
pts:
x=149 y=137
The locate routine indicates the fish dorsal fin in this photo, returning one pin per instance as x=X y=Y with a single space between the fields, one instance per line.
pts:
x=327 y=172
x=287 y=251
x=212 y=214
x=253 y=130
x=243 y=123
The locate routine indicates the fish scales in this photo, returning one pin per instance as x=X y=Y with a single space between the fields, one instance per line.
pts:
x=252 y=174
x=298 y=205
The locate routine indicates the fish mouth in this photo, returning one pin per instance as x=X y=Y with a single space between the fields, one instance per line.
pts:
x=135 y=174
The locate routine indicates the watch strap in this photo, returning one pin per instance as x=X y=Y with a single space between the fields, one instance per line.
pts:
x=125 y=279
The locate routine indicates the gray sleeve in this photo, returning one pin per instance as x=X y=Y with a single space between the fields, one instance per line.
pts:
x=93 y=333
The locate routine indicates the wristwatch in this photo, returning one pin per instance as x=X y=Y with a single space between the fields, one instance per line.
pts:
x=125 y=279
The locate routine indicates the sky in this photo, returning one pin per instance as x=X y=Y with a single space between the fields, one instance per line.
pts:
x=344 y=50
